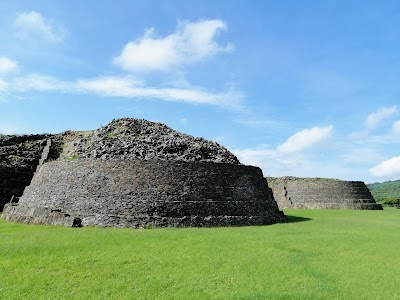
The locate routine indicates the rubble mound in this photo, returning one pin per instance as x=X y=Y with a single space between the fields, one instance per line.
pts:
x=144 y=140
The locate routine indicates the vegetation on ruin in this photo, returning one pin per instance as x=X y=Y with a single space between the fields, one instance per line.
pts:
x=319 y=254
x=391 y=202
x=73 y=156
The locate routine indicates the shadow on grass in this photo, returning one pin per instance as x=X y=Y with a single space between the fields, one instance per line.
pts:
x=294 y=219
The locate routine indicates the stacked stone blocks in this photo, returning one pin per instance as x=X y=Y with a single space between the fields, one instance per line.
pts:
x=139 y=194
x=140 y=174
x=321 y=193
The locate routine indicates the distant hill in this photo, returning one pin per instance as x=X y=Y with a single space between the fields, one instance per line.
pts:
x=385 y=190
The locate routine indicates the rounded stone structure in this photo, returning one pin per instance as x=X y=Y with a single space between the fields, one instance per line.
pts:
x=145 y=193
x=140 y=174
x=321 y=193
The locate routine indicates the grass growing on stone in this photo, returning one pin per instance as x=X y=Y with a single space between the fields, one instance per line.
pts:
x=317 y=255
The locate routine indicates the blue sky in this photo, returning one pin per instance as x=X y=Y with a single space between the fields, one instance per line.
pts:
x=302 y=88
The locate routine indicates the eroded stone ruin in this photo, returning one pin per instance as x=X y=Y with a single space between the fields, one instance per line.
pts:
x=321 y=193
x=19 y=158
x=136 y=173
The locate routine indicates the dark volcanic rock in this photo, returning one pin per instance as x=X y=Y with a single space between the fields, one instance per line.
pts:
x=136 y=173
x=140 y=139
x=19 y=156
x=127 y=138
x=143 y=194
x=321 y=193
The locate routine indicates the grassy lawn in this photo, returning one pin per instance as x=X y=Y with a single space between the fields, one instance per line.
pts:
x=317 y=255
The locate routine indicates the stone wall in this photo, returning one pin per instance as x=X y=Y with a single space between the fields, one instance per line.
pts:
x=140 y=194
x=321 y=193
x=19 y=157
x=131 y=139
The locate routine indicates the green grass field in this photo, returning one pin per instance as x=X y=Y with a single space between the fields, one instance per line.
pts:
x=317 y=255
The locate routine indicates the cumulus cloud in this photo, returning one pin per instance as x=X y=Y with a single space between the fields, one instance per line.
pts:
x=396 y=128
x=376 y=117
x=287 y=159
x=255 y=156
x=275 y=163
x=191 y=42
x=305 y=139
x=389 y=168
x=33 y=24
x=311 y=164
x=7 y=65
x=269 y=160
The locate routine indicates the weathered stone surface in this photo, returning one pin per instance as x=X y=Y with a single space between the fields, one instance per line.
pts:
x=38 y=215
x=121 y=139
x=140 y=139
x=19 y=156
x=142 y=194
x=136 y=173
x=321 y=193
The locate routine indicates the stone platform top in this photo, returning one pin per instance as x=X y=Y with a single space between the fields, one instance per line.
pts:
x=140 y=139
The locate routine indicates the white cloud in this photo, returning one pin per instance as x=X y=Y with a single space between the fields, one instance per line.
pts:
x=126 y=87
x=271 y=161
x=356 y=154
x=33 y=24
x=7 y=129
x=7 y=65
x=183 y=121
x=3 y=85
x=130 y=88
x=255 y=156
x=39 y=82
x=191 y=42
x=396 y=128
x=275 y=163
x=389 y=168
x=111 y=86
x=305 y=139
x=375 y=118
x=253 y=122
